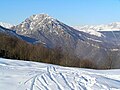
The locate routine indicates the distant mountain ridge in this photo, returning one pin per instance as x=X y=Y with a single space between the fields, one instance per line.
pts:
x=6 y=25
x=115 y=26
x=96 y=29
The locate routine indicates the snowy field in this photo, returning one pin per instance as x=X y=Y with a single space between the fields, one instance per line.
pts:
x=23 y=75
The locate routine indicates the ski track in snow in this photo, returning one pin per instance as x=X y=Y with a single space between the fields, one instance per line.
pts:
x=24 y=75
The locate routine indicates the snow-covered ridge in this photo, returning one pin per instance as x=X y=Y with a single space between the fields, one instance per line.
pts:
x=6 y=25
x=25 y=75
x=115 y=26
x=94 y=29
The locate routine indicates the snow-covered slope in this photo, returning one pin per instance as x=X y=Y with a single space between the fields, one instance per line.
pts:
x=6 y=25
x=24 y=75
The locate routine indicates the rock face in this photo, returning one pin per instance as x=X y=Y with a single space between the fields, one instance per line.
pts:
x=53 y=33
x=48 y=30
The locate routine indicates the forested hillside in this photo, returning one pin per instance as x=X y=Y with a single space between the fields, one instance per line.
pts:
x=15 y=48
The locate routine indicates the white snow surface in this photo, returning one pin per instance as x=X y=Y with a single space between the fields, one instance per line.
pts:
x=6 y=25
x=25 y=75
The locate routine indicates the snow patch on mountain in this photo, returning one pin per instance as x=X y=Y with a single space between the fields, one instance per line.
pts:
x=6 y=25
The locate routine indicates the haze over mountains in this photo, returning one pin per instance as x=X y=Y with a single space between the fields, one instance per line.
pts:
x=89 y=42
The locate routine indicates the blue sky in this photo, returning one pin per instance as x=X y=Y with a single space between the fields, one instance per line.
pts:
x=71 y=12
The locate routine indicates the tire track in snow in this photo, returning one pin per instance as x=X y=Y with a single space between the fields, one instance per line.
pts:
x=50 y=70
x=44 y=84
x=33 y=83
x=43 y=77
x=33 y=80
x=68 y=84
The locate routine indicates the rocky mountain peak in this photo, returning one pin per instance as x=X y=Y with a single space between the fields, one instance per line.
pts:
x=40 y=16
x=37 y=22
x=39 y=19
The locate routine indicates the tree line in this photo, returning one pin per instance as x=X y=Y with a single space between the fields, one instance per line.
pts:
x=15 y=48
